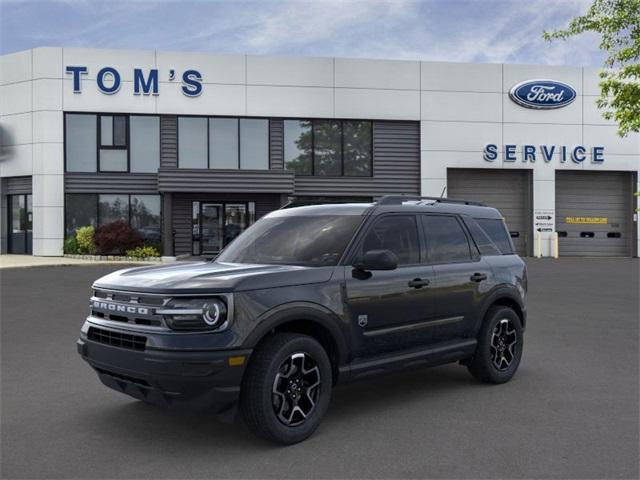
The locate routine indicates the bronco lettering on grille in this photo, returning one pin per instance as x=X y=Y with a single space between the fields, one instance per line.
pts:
x=116 y=307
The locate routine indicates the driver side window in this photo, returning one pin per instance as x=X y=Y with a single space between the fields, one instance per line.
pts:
x=397 y=233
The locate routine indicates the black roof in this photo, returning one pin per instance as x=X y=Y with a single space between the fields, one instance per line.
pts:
x=396 y=203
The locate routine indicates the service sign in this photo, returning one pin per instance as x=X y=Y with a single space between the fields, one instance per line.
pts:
x=542 y=94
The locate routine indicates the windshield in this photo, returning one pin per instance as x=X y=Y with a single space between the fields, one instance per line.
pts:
x=313 y=240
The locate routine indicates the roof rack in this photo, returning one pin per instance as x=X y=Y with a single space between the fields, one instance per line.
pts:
x=399 y=199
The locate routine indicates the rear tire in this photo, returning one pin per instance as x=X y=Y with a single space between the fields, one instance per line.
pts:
x=287 y=388
x=499 y=349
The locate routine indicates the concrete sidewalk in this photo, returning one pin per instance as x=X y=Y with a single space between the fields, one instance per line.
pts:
x=23 y=261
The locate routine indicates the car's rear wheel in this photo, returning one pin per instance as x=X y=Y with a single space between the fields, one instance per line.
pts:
x=499 y=349
x=287 y=388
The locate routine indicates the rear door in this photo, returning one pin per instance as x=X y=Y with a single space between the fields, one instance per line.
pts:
x=389 y=308
x=461 y=276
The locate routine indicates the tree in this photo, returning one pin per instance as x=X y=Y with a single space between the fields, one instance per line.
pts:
x=618 y=23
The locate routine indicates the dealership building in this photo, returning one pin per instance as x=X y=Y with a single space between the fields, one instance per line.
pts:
x=191 y=148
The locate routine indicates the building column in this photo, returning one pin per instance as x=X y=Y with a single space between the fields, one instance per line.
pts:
x=167 y=225
x=4 y=227
x=544 y=205
x=48 y=215
x=433 y=175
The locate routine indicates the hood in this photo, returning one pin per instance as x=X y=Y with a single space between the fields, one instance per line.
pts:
x=207 y=277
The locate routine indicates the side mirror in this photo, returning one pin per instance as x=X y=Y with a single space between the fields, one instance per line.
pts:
x=377 y=260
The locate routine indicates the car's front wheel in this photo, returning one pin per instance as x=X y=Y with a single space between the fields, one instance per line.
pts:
x=287 y=388
x=499 y=347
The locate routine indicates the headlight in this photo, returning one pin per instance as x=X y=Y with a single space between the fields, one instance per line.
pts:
x=195 y=313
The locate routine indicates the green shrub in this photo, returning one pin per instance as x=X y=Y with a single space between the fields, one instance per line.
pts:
x=71 y=245
x=143 y=252
x=84 y=237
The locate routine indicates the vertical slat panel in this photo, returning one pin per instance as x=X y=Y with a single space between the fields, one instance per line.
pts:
x=168 y=141
x=276 y=145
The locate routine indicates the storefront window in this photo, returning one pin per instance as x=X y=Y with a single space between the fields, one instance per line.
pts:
x=112 y=208
x=145 y=217
x=328 y=147
x=254 y=144
x=223 y=142
x=357 y=148
x=145 y=144
x=192 y=142
x=80 y=211
x=327 y=143
x=297 y=146
x=80 y=142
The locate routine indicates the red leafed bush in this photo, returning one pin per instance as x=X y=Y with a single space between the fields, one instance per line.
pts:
x=116 y=238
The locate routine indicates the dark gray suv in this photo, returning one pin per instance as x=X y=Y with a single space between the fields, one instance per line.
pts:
x=309 y=297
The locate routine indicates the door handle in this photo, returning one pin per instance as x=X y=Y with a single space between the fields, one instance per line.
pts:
x=418 y=283
x=478 y=277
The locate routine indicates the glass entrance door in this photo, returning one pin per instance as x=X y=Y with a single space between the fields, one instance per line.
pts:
x=20 y=224
x=211 y=228
x=215 y=225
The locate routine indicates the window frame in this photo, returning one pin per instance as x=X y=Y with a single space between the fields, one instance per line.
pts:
x=474 y=254
x=101 y=147
x=354 y=248
x=239 y=156
x=341 y=121
x=98 y=116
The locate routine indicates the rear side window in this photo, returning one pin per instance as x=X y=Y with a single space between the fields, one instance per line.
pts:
x=497 y=232
x=446 y=240
x=397 y=233
x=480 y=237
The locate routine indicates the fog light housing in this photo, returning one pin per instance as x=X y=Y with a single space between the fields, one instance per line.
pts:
x=195 y=313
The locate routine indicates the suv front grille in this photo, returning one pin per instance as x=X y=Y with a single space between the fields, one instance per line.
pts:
x=127 y=308
x=117 y=339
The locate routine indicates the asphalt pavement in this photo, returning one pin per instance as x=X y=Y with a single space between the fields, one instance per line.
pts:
x=570 y=412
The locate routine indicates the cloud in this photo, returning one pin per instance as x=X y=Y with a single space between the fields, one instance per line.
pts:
x=445 y=30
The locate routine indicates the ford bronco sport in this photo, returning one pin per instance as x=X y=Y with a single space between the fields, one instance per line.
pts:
x=309 y=297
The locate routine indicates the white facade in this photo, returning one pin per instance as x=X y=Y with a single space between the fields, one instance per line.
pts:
x=461 y=107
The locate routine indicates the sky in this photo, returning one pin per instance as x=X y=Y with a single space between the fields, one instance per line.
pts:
x=487 y=31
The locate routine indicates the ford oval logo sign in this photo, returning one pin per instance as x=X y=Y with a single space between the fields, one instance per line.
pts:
x=542 y=94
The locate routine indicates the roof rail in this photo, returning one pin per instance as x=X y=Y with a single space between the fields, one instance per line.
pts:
x=399 y=199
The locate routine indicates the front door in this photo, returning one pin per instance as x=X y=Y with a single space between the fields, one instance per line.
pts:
x=216 y=224
x=390 y=310
x=211 y=228
x=20 y=222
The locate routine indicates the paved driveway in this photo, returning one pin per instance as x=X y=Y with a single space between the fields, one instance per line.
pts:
x=571 y=411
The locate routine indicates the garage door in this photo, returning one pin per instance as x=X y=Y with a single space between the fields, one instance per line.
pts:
x=593 y=213
x=506 y=190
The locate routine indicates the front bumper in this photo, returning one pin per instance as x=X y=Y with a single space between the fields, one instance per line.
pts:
x=200 y=380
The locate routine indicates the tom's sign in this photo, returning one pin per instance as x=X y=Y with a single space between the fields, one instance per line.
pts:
x=542 y=94
x=108 y=80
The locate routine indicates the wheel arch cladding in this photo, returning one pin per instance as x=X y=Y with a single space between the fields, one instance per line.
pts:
x=507 y=301
x=310 y=321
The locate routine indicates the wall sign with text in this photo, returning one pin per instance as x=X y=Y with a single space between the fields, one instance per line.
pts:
x=109 y=81
x=544 y=153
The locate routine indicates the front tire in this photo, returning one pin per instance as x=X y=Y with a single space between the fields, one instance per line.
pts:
x=499 y=349
x=287 y=388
